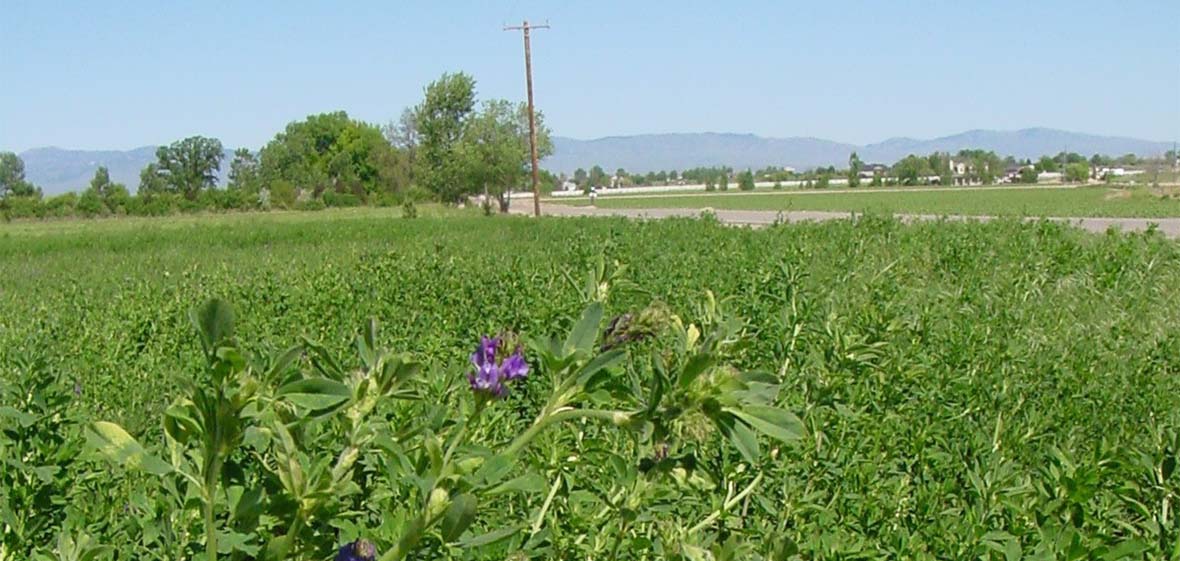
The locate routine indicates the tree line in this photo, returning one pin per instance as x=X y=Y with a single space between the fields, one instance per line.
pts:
x=449 y=147
x=969 y=166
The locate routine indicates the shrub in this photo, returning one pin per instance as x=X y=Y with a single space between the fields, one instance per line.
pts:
x=61 y=206
x=23 y=207
x=91 y=205
x=310 y=204
x=282 y=194
x=746 y=181
x=336 y=200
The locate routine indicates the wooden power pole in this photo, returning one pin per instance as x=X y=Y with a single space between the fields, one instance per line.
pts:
x=528 y=75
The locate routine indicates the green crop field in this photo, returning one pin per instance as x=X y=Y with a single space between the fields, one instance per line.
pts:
x=1083 y=201
x=211 y=386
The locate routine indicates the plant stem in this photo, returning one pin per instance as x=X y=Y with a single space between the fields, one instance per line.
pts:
x=728 y=505
x=462 y=432
x=210 y=531
x=557 y=417
x=408 y=540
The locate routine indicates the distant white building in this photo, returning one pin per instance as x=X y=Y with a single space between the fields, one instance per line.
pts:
x=569 y=185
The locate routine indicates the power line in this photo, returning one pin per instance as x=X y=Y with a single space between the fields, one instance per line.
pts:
x=528 y=73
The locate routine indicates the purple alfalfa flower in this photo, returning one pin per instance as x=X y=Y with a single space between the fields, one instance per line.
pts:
x=514 y=367
x=489 y=377
x=487 y=380
x=485 y=353
x=359 y=550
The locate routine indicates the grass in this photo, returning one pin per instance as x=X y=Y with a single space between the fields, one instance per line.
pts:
x=1082 y=201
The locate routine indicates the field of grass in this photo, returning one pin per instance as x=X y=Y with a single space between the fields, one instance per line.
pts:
x=934 y=391
x=1083 y=201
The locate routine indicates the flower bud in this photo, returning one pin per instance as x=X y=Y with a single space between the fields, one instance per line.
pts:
x=359 y=550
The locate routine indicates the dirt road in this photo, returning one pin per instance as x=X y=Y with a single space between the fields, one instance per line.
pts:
x=1168 y=226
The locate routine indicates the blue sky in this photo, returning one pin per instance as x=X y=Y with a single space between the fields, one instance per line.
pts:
x=120 y=75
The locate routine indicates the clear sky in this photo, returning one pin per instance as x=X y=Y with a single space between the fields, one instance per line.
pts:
x=116 y=75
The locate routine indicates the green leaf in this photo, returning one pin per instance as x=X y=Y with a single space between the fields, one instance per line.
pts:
x=283 y=361
x=599 y=363
x=695 y=366
x=458 y=517
x=215 y=324
x=493 y=470
x=1129 y=548
x=118 y=447
x=180 y=423
x=491 y=537
x=22 y=418
x=771 y=421
x=694 y=553
x=741 y=437
x=278 y=548
x=582 y=336
x=527 y=483
x=316 y=394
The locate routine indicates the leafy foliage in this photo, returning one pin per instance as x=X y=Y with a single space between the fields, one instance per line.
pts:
x=848 y=390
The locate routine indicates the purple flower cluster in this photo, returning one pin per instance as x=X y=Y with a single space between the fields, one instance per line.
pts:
x=491 y=375
x=360 y=550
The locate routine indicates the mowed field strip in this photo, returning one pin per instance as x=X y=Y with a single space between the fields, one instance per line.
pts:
x=1051 y=202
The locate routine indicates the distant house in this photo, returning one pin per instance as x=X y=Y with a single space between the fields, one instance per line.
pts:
x=569 y=185
x=1012 y=173
x=1104 y=172
x=868 y=171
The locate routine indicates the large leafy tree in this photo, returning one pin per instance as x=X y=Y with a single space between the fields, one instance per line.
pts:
x=441 y=120
x=12 y=177
x=333 y=152
x=244 y=171
x=151 y=181
x=186 y=166
x=495 y=149
x=911 y=169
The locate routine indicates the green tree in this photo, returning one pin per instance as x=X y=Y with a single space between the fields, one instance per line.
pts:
x=151 y=181
x=1028 y=174
x=854 y=167
x=496 y=149
x=113 y=195
x=580 y=177
x=441 y=119
x=12 y=177
x=598 y=177
x=329 y=152
x=911 y=170
x=746 y=181
x=672 y=176
x=101 y=183
x=190 y=165
x=1077 y=172
x=244 y=173
x=1047 y=164
x=723 y=182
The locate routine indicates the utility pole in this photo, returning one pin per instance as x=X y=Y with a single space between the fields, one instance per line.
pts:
x=528 y=73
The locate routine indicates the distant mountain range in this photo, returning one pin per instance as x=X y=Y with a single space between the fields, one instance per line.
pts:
x=654 y=152
x=58 y=170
